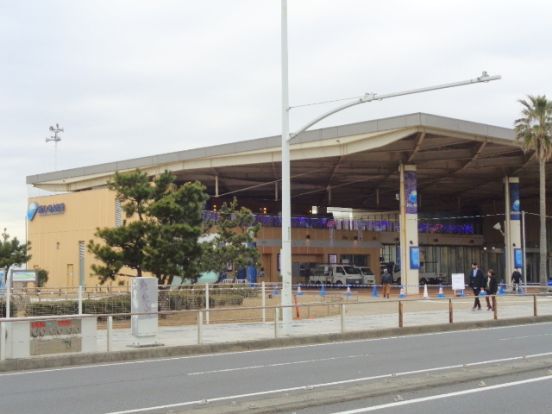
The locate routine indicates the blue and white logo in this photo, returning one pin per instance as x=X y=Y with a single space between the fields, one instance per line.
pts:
x=413 y=197
x=31 y=211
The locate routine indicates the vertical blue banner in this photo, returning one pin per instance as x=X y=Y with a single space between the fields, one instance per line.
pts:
x=515 y=204
x=518 y=258
x=411 y=194
x=414 y=257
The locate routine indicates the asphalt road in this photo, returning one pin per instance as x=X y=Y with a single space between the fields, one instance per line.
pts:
x=509 y=395
x=177 y=383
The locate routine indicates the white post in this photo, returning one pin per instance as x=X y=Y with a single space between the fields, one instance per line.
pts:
x=263 y=300
x=109 y=333
x=2 y=341
x=524 y=275
x=8 y=293
x=408 y=227
x=200 y=327
x=80 y=299
x=508 y=251
x=342 y=318
x=276 y=322
x=207 y=303
x=285 y=255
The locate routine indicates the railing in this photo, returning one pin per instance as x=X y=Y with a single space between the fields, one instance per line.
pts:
x=390 y=224
x=27 y=302
x=337 y=311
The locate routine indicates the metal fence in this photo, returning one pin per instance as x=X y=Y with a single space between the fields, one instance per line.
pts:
x=335 y=312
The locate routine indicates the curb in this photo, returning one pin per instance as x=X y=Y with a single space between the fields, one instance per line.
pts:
x=57 y=361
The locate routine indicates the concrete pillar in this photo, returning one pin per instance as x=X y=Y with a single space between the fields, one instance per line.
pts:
x=512 y=228
x=410 y=251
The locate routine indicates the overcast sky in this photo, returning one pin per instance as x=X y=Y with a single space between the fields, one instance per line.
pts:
x=134 y=78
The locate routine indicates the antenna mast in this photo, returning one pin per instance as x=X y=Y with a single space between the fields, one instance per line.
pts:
x=55 y=138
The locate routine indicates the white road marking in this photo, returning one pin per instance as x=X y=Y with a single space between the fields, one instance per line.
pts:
x=307 y=387
x=442 y=396
x=524 y=337
x=214 y=355
x=281 y=364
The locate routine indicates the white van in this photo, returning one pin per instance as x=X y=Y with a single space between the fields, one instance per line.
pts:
x=336 y=274
x=368 y=277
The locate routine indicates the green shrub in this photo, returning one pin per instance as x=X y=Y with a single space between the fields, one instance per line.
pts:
x=109 y=305
x=195 y=299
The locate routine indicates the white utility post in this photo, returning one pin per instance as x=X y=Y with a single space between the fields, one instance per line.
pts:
x=285 y=255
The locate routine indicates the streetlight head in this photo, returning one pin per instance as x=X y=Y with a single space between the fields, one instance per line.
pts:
x=485 y=77
x=497 y=226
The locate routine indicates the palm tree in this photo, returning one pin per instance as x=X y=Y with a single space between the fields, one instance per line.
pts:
x=534 y=130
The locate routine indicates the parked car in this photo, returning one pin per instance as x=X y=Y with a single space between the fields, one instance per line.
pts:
x=368 y=277
x=336 y=274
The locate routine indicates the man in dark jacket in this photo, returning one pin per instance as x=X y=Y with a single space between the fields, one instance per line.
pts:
x=477 y=282
x=516 y=280
x=491 y=288
x=386 y=281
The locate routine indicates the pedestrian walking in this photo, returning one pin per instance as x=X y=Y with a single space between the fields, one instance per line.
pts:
x=491 y=287
x=386 y=281
x=477 y=282
x=516 y=280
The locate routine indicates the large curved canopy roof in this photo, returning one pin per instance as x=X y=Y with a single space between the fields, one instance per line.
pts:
x=459 y=163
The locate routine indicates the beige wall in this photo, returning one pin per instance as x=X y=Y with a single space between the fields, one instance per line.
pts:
x=55 y=238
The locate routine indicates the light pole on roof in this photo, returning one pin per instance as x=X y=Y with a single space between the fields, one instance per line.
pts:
x=285 y=255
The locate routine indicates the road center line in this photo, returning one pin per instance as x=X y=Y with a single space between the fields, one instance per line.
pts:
x=442 y=396
x=309 y=387
x=524 y=337
x=281 y=364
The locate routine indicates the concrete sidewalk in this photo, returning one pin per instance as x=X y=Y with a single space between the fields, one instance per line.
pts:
x=358 y=317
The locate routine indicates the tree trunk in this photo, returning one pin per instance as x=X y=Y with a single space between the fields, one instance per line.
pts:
x=543 y=274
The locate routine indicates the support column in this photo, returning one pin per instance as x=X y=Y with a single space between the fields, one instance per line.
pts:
x=513 y=252
x=410 y=250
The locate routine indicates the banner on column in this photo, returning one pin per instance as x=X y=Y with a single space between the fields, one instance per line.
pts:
x=518 y=258
x=414 y=257
x=515 y=204
x=411 y=192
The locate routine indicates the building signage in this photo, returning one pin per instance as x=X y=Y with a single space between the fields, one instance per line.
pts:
x=515 y=208
x=23 y=276
x=51 y=328
x=411 y=193
x=44 y=210
x=414 y=257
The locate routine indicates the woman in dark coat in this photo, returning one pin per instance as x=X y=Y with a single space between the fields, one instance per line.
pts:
x=491 y=288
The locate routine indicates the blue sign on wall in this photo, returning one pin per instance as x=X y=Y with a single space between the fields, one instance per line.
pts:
x=518 y=258
x=515 y=204
x=44 y=210
x=414 y=257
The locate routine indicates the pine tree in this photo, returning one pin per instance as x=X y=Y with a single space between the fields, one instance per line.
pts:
x=233 y=244
x=160 y=231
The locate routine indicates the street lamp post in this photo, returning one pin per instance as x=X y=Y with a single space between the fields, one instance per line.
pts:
x=285 y=255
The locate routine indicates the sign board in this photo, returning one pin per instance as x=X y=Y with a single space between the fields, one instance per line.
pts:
x=44 y=210
x=458 y=281
x=23 y=276
x=518 y=258
x=414 y=257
